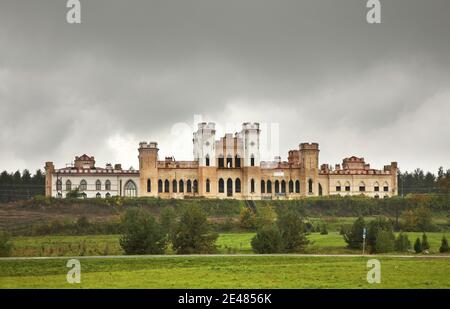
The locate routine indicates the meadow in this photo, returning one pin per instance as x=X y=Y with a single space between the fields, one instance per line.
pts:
x=230 y=271
x=227 y=243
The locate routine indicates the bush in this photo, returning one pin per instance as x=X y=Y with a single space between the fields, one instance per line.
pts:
x=292 y=230
x=402 y=243
x=444 y=245
x=266 y=216
x=375 y=226
x=5 y=244
x=247 y=218
x=268 y=240
x=354 y=237
x=385 y=242
x=418 y=246
x=425 y=243
x=193 y=233
x=418 y=220
x=142 y=234
x=323 y=229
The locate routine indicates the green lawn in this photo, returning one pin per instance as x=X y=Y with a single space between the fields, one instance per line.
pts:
x=228 y=243
x=227 y=272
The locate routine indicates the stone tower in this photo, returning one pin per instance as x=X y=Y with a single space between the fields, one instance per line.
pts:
x=49 y=170
x=148 y=168
x=204 y=144
x=309 y=160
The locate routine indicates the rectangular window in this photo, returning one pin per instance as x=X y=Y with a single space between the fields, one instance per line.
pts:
x=386 y=188
x=347 y=188
x=338 y=188
x=376 y=189
x=362 y=189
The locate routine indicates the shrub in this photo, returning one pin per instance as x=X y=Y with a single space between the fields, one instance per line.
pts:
x=142 y=234
x=444 y=245
x=265 y=216
x=402 y=243
x=247 y=218
x=425 y=243
x=419 y=219
x=193 y=233
x=5 y=244
x=375 y=226
x=292 y=230
x=268 y=240
x=323 y=229
x=385 y=242
x=354 y=237
x=418 y=246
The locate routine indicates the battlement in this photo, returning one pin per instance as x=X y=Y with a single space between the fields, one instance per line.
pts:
x=151 y=145
x=309 y=146
x=206 y=126
x=250 y=126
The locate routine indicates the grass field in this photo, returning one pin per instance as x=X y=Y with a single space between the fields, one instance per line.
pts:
x=227 y=272
x=228 y=243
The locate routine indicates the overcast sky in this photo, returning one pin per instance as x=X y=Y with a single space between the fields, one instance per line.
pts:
x=141 y=70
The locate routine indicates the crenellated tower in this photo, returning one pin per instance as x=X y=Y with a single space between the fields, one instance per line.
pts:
x=148 y=168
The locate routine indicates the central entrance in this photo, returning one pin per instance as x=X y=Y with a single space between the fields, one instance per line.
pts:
x=229 y=187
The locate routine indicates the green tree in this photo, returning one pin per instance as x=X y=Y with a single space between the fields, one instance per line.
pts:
x=141 y=233
x=247 y=218
x=418 y=246
x=292 y=230
x=323 y=229
x=268 y=239
x=266 y=216
x=5 y=244
x=354 y=237
x=193 y=233
x=385 y=242
x=425 y=243
x=168 y=221
x=402 y=243
x=444 y=245
x=375 y=226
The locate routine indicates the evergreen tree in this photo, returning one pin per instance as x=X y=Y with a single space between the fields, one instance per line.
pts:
x=402 y=243
x=292 y=231
x=425 y=243
x=268 y=239
x=418 y=246
x=354 y=237
x=444 y=245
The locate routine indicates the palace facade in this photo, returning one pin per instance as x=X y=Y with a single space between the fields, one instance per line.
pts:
x=226 y=168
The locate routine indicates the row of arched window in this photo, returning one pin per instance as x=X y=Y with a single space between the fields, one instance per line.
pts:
x=280 y=186
x=177 y=186
x=228 y=161
x=83 y=185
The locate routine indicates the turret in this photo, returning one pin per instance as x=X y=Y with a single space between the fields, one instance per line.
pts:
x=250 y=133
x=204 y=144
x=49 y=170
x=309 y=158
x=148 y=170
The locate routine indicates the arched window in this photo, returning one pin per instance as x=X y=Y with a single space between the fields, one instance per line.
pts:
x=68 y=185
x=229 y=187
x=107 y=185
x=208 y=186
x=376 y=186
x=149 y=185
x=237 y=185
x=338 y=186
x=263 y=186
x=269 y=186
x=291 y=186
x=58 y=185
x=283 y=186
x=277 y=186
x=98 y=185
x=347 y=187
x=108 y=195
x=98 y=195
x=160 y=186
x=297 y=186
x=195 y=186
x=229 y=161
x=252 y=186
x=181 y=183
x=362 y=187
x=189 y=186
x=252 y=160
x=310 y=186
x=207 y=160
x=237 y=161
x=130 y=189
x=174 y=186
x=83 y=185
x=320 y=189
x=220 y=160
x=221 y=186
x=166 y=186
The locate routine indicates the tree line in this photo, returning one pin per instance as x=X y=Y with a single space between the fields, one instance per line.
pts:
x=418 y=182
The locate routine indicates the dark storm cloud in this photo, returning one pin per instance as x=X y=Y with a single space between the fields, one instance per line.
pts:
x=134 y=68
